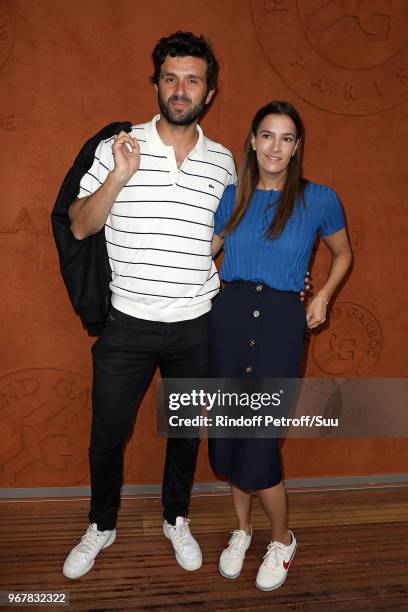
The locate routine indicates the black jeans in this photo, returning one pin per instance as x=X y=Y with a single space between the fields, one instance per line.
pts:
x=125 y=357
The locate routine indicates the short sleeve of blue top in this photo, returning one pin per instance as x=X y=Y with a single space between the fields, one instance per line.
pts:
x=280 y=263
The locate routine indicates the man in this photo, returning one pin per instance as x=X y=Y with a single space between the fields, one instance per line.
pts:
x=155 y=190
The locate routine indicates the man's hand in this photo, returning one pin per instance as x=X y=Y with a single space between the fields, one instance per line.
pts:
x=127 y=161
x=88 y=215
x=307 y=288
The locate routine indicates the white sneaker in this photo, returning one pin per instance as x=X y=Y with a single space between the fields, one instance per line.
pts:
x=232 y=558
x=186 y=548
x=274 y=568
x=82 y=556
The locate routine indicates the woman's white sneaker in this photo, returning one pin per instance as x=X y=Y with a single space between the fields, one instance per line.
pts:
x=274 y=568
x=232 y=558
x=186 y=548
x=82 y=556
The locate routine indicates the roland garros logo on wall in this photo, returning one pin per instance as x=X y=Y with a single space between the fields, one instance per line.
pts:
x=46 y=416
x=46 y=419
x=344 y=56
x=350 y=346
x=7 y=30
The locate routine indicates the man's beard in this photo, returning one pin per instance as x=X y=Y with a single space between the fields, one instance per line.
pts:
x=181 y=116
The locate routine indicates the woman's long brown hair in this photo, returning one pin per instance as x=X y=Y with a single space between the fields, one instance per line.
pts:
x=248 y=176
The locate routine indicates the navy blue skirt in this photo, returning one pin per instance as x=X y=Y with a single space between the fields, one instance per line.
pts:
x=255 y=331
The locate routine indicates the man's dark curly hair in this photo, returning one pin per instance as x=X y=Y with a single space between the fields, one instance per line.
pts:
x=181 y=44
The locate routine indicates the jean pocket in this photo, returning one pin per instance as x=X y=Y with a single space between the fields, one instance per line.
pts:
x=111 y=316
x=116 y=315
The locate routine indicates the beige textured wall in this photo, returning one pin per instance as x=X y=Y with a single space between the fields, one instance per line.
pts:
x=68 y=68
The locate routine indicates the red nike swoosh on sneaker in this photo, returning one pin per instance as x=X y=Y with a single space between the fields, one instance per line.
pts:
x=287 y=563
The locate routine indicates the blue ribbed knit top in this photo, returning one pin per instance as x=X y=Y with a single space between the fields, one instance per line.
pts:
x=279 y=263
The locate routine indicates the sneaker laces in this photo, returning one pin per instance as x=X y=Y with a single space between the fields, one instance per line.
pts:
x=182 y=532
x=88 y=541
x=275 y=554
x=237 y=543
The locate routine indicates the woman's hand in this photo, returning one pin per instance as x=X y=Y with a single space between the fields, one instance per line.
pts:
x=316 y=311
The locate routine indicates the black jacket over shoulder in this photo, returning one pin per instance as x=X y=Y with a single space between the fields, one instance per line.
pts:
x=84 y=263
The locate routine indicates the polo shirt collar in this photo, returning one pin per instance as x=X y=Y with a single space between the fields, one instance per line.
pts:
x=156 y=144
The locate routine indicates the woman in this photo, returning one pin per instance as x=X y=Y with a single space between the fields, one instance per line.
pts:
x=268 y=225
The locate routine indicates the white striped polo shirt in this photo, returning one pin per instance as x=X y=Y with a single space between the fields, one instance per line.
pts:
x=159 y=230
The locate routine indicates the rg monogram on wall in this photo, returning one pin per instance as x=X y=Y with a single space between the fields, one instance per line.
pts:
x=344 y=56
